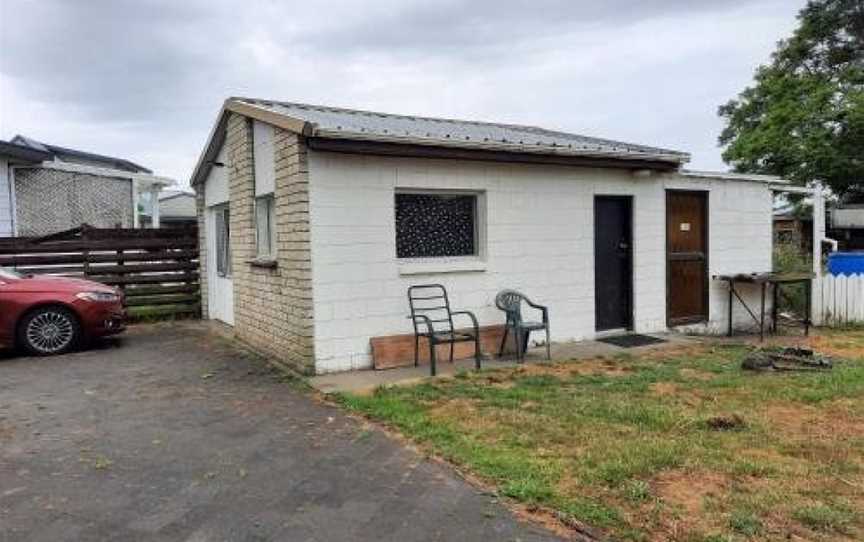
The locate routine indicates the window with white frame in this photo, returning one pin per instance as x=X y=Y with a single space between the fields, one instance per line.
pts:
x=265 y=227
x=222 y=216
x=437 y=224
x=265 y=184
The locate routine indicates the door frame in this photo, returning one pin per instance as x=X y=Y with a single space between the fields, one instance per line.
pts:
x=706 y=239
x=220 y=288
x=630 y=200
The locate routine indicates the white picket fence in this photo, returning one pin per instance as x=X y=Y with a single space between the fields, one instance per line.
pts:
x=838 y=300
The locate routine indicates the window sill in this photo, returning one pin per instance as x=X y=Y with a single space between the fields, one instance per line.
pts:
x=266 y=263
x=441 y=265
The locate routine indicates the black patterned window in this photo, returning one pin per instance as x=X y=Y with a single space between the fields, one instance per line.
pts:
x=435 y=225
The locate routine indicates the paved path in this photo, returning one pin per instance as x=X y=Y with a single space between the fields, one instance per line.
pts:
x=171 y=434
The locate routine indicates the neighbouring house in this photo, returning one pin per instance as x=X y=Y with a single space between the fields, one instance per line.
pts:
x=794 y=229
x=176 y=210
x=846 y=221
x=45 y=189
x=314 y=221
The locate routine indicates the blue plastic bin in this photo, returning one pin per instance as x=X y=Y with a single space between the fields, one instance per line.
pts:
x=846 y=263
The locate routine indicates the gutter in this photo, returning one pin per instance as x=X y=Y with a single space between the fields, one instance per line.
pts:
x=778 y=183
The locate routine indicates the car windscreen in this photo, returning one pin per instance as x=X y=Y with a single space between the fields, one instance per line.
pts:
x=6 y=273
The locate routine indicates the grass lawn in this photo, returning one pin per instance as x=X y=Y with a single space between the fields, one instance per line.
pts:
x=630 y=446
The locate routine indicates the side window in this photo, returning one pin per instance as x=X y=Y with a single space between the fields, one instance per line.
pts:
x=223 y=241
x=265 y=222
x=265 y=190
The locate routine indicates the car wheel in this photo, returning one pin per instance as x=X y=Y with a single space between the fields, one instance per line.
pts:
x=49 y=330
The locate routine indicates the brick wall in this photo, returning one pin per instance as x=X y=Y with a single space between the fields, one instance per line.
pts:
x=272 y=305
x=538 y=237
x=50 y=200
x=203 y=254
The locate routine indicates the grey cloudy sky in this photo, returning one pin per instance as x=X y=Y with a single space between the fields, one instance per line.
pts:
x=144 y=79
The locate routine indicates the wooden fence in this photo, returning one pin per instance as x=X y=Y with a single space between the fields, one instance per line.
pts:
x=839 y=300
x=156 y=268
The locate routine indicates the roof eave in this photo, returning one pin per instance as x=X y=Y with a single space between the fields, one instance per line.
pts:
x=548 y=150
x=20 y=152
x=731 y=176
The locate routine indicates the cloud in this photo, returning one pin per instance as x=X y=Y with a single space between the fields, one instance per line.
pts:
x=144 y=79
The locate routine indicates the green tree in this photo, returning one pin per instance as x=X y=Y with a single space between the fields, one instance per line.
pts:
x=803 y=119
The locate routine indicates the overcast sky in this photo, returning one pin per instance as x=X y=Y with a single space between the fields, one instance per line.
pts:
x=144 y=80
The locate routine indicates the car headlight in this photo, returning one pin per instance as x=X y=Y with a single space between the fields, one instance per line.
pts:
x=98 y=296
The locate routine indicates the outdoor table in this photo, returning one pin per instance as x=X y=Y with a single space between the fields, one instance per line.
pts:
x=776 y=281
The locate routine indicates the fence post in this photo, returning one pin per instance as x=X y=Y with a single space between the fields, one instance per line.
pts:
x=818 y=235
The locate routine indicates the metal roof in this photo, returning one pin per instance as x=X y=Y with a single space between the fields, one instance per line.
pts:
x=340 y=123
x=20 y=152
x=66 y=154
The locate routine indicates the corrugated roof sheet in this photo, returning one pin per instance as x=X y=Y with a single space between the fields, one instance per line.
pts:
x=67 y=155
x=350 y=123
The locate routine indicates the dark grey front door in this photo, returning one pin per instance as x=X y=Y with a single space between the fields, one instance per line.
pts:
x=613 y=262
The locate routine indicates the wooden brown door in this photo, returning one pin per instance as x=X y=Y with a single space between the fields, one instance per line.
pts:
x=687 y=257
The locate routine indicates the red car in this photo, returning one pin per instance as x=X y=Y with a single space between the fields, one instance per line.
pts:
x=51 y=315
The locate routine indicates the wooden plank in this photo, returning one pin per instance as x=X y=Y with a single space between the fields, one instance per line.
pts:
x=134 y=291
x=160 y=278
x=52 y=270
x=167 y=310
x=155 y=256
x=398 y=350
x=52 y=259
x=94 y=270
x=78 y=246
x=142 y=268
x=173 y=299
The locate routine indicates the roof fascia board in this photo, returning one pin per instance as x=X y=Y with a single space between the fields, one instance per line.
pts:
x=402 y=149
x=211 y=148
x=280 y=120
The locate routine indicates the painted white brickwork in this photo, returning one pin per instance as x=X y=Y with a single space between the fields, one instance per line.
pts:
x=539 y=239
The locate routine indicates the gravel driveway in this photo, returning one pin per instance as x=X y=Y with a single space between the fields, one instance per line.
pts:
x=169 y=433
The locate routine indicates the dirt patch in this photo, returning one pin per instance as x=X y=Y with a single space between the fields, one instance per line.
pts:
x=694 y=374
x=664 y=388
x=565 y=370
x=839 y=347
x=687 y=493
x=600 y=366
x=680 y=351
x=463 y=412
x=799 y=420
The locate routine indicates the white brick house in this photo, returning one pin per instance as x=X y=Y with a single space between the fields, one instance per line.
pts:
x=316 y=220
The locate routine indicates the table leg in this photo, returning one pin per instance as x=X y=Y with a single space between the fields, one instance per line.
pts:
x=775 y=297
x=731 y=291
x=808 y=292
x=762 y=315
